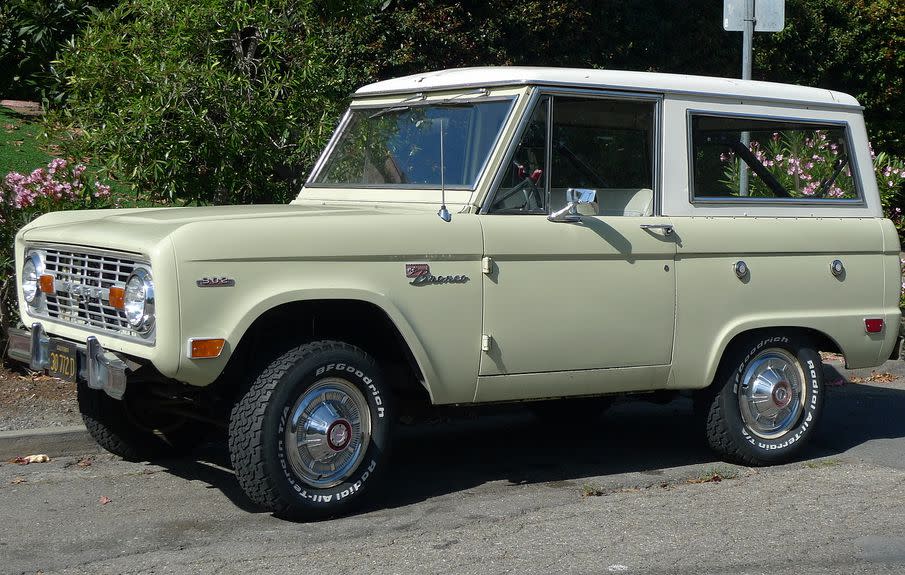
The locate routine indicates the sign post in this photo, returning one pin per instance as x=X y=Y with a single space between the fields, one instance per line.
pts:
x=748 y=17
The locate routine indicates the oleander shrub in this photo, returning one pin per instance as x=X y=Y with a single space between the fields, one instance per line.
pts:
x=61 y=185
x=220 y=101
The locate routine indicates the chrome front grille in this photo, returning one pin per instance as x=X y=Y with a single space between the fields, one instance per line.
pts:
x=82 y=283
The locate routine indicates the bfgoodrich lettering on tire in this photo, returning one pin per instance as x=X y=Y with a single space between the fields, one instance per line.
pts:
x=310 y=437
x=767 y=399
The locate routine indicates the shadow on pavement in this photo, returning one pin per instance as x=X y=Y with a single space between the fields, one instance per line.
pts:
x=510 y=444
x=856 y=414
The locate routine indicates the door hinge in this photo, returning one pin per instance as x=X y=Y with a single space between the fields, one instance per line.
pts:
x=486 y=265
x=486 y=342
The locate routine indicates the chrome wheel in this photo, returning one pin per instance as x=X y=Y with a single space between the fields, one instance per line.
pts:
x=327 y=433
x=770 y=395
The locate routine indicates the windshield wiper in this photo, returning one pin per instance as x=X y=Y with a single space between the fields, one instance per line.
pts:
x=445 y=103
x=386 y=111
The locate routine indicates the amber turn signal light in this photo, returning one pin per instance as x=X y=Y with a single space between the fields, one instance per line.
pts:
x=117 y=297
x=46 y=283
x=205 y=348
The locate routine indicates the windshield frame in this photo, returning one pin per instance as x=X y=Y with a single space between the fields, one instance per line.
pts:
x=413 y=101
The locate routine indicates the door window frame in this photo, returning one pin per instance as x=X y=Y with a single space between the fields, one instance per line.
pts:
x=535 y=97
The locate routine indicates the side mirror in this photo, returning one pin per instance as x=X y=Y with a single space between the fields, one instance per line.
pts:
x=575 y=197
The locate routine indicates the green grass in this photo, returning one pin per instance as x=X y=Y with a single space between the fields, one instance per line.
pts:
x=715 y=474
x=20 y=149
x=820 y=463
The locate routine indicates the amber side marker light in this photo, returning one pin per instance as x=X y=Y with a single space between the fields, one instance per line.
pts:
x=46 y=284
x=205 y=348
x=118 y=297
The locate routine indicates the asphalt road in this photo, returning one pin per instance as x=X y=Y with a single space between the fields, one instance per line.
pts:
x=500 y=494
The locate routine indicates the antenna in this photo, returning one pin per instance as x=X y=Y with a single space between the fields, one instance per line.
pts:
x=443 y=213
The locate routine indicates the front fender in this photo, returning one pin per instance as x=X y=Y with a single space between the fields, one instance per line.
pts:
x=443 y=341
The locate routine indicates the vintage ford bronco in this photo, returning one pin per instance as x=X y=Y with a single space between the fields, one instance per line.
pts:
x=475 y=236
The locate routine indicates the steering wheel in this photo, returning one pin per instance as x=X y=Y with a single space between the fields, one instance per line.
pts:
x=528 y=187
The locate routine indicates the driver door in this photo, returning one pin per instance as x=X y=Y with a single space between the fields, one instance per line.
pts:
x=585 y=303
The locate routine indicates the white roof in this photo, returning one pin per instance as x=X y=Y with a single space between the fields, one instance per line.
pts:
x=608 y=79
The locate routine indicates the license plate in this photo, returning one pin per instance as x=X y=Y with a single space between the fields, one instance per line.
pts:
x=63 y=360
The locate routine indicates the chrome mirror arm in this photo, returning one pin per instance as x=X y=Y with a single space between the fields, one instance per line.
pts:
x=576 y=197
x=567 y=214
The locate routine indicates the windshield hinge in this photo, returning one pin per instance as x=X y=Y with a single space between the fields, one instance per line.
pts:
x=486 y=342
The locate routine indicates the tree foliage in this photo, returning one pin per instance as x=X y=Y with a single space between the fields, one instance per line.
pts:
x=31 y=34
x=232 y=100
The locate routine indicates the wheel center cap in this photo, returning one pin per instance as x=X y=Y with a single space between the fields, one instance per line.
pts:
x=782 y=395
x=339 y=434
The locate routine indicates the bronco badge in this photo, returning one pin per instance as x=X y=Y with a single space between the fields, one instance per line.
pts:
x=421 y=276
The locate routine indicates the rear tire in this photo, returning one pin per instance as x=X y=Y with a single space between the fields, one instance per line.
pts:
x=311 y=436
x=766 y=400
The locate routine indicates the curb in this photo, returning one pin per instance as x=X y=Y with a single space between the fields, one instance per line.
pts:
x=53 y=441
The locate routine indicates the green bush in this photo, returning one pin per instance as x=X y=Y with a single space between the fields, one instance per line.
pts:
x=31 y=34
x=216 y=102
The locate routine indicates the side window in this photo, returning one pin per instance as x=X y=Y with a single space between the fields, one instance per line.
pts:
x=523 y=189
x=605 y=145
x=738 y=158
x=600 y=144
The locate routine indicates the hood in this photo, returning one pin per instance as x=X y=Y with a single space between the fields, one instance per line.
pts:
x=137 y=229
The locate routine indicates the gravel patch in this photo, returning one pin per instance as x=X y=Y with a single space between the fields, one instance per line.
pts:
x=29 y=401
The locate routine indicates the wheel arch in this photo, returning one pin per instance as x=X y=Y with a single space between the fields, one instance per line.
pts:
x=360 y=318
x=732 y=339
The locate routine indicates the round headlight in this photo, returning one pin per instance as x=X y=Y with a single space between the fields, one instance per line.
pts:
x=138 y=301
x=31 y=270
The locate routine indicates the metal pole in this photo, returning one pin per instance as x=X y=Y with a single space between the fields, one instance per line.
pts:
x=747 y=56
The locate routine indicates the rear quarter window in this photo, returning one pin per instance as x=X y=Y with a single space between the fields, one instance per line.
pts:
x=755 y=160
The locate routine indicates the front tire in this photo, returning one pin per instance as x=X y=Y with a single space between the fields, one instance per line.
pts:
x=133 y=430
x=311 y=435
x=768 y=402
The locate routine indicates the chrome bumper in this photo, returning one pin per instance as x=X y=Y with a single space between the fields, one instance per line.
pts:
x=97 y=367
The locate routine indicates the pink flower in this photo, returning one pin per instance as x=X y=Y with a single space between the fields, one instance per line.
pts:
x=78 y=170
x=101 y=190
x=55 y=165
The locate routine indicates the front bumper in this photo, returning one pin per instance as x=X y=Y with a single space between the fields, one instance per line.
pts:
x=97 y=367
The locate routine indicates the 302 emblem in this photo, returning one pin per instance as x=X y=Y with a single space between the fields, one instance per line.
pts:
x=216 y=282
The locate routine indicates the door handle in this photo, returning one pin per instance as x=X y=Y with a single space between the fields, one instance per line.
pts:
x=667 y=228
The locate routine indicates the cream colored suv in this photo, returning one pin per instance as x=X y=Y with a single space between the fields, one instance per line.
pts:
x=476 y=236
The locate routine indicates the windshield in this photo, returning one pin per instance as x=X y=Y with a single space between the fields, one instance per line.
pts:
x=400 y=146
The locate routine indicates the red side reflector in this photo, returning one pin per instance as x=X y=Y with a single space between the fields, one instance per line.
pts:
x=46 y=283
x=873 y=325
x=117 y=297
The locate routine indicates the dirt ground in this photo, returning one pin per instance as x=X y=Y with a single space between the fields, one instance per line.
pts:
x=30 y=400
